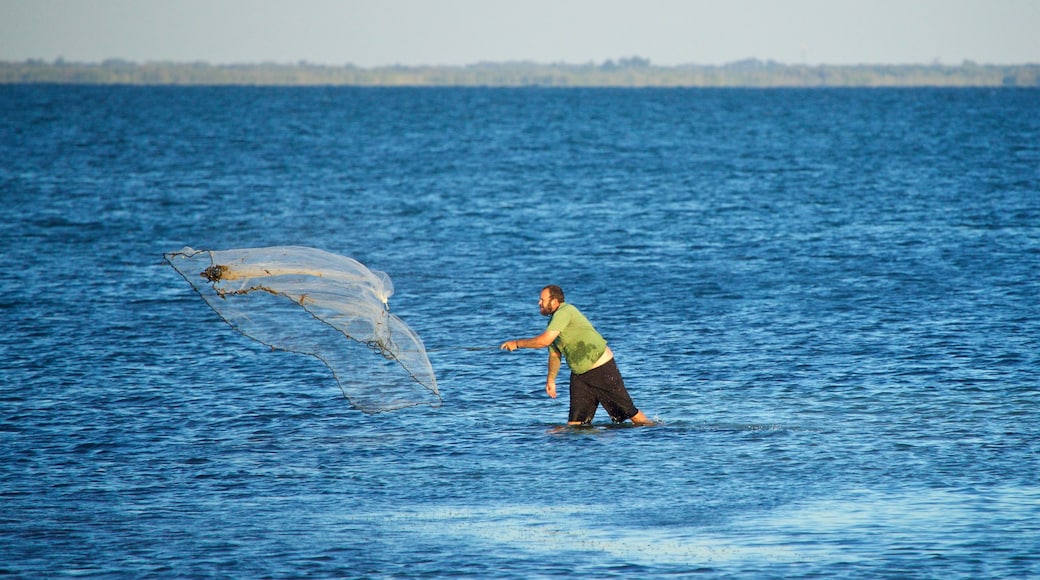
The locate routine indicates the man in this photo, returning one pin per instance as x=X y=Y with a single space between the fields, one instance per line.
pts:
x=595 y=379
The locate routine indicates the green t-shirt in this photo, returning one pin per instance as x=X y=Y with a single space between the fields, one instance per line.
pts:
x=579 y=342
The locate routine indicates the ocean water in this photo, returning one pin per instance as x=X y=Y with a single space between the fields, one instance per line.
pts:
x=829 y=298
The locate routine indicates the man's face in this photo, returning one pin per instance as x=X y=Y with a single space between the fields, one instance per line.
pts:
x=547 y=305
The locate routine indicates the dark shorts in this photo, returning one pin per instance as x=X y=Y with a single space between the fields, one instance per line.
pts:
x=600 y=386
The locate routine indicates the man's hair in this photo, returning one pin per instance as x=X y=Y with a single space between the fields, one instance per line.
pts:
x=555 y=292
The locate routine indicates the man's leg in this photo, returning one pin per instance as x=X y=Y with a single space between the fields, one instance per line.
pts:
x=583 y=402
x=641 y=419
x=614 y=396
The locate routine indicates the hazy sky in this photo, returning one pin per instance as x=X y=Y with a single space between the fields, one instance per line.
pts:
x=455 y=32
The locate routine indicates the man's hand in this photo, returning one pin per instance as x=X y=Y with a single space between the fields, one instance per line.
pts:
x=510 y=345
x=550 y=388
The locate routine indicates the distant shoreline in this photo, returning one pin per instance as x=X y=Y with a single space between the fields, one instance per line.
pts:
x=633 y=73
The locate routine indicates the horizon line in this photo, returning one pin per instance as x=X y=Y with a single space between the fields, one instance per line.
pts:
x=635 y=61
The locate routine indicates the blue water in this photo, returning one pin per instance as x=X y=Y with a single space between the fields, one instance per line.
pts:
x=830 y=299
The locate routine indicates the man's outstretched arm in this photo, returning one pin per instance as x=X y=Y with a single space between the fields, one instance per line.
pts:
x=541 y=341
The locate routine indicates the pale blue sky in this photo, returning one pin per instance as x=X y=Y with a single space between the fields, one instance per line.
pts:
x=456 y=32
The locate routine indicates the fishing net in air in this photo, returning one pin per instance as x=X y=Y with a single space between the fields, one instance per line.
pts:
x=313 y=302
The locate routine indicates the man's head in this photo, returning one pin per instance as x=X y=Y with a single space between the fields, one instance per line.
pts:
x=550 y=299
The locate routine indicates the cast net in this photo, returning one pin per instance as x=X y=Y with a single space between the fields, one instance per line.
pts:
x=313 y=302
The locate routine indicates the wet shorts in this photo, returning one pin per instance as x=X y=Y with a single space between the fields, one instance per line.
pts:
x=600 y=386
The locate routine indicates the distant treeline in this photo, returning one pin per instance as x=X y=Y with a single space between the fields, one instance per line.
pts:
x=629 y=72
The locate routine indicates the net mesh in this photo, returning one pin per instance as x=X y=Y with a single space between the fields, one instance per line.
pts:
x=313 y=302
